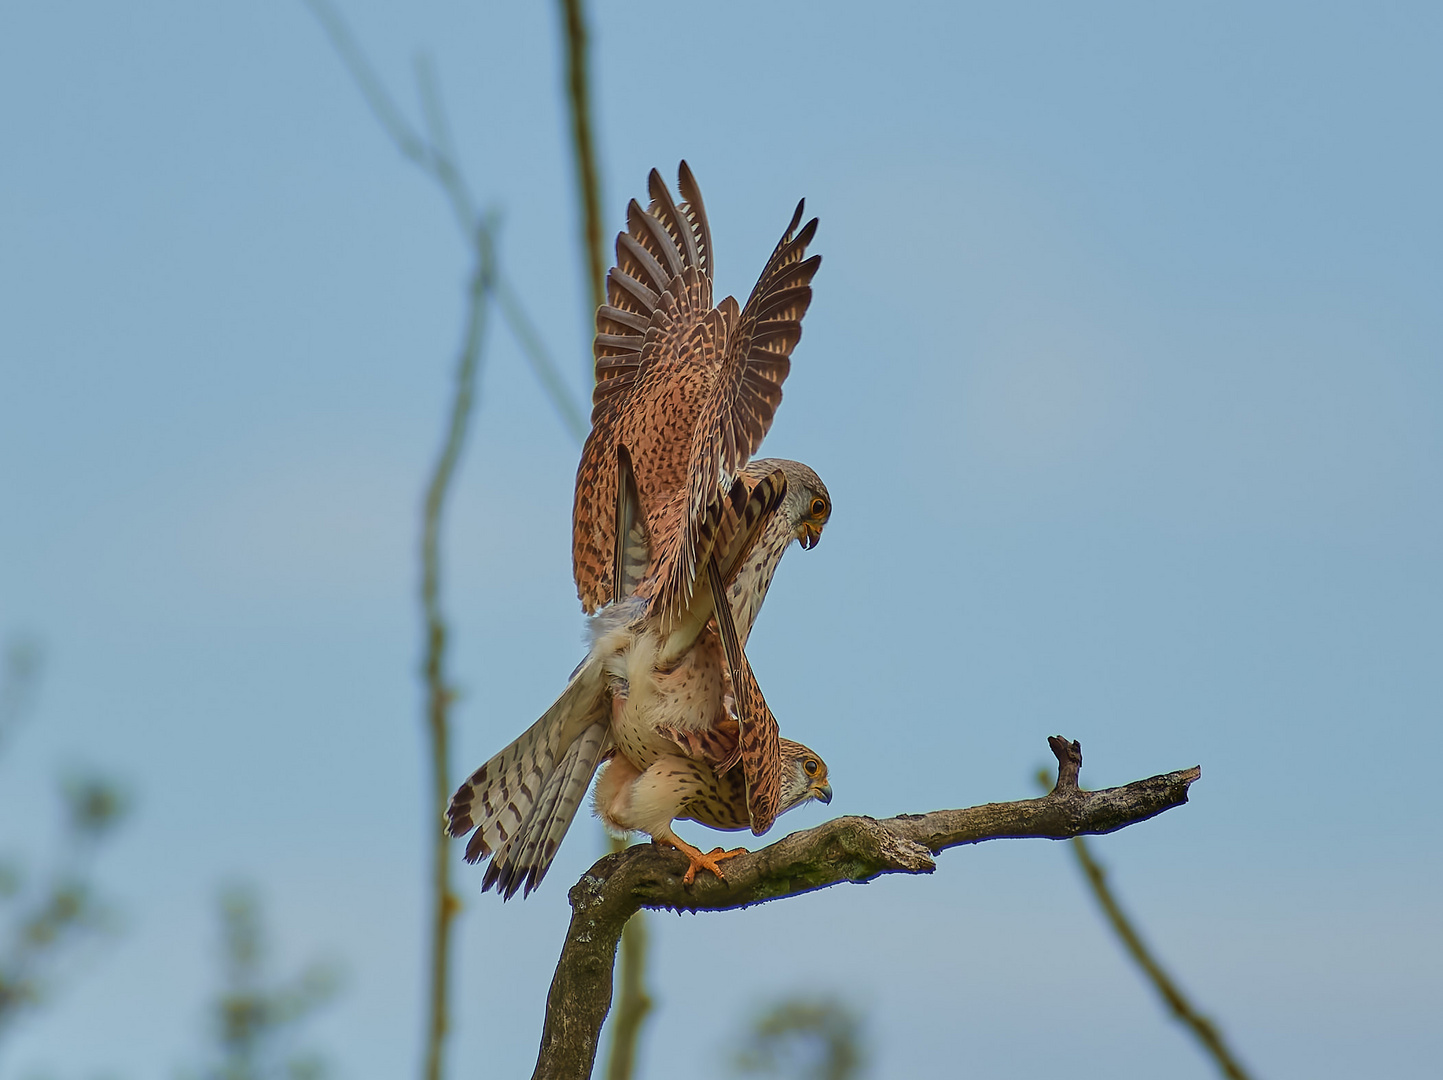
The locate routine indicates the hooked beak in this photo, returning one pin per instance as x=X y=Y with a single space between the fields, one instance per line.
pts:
x=809 y=534
x=822 y=793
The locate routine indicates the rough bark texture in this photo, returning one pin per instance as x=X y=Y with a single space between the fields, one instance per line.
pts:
x=844 y=849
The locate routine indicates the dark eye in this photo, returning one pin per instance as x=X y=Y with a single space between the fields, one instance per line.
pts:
x=819 y=507
x=811 y=766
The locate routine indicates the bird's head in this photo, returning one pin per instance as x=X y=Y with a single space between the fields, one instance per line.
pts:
x=807 y=506
x=804 y=776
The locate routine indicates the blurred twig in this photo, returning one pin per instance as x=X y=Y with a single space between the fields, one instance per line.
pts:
x=635 y=1003
x=433 y=152
x=1203 y=1029
x=19 y=676
x=588 y=183
x=542 y=365
x=439 y=694
x=804 y=1039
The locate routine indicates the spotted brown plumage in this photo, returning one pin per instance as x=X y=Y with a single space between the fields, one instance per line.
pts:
x=518 y=806
x=504 y=805
x=683 y=787
x=685 y=393
x=688 y=388
x=669 y=519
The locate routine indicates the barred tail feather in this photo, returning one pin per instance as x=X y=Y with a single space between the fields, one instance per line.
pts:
x=500 y=797
x=523 y=860
x=497 y=798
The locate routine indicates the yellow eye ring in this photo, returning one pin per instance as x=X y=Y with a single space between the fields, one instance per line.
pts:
x=819 y=507
x=811 y=766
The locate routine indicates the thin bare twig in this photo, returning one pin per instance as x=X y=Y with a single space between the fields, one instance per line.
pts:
x=1202 y=1028
x=433 y=154
x=635 y=1003
x=368 y=82
x=588 y=182
x=439 y=694
x=852 y=849
x=19 y=675
x=542 y=366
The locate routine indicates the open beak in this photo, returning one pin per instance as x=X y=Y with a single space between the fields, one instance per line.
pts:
x=809 y=534
x=822 y=793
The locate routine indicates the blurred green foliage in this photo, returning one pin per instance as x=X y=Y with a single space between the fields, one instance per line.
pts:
x=47 y=917
x=257 y=1021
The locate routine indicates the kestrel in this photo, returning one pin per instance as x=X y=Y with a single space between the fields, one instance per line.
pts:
x=667 y=516
x=685 y=393
x=677 y=786
x=687 y=388
x=522 y=801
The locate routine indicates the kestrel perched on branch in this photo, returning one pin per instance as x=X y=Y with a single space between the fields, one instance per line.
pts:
x=522 y=801
x=668 y=516
x=684 y=394
x=678 y=786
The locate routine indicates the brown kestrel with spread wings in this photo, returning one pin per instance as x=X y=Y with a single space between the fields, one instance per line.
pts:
x=522 y=801
x=688 y=389
x=685 y=392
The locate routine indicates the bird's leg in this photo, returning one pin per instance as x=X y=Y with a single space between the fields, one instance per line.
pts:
x=709 y=861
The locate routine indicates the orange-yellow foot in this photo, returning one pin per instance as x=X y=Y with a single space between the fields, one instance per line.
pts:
x=709 y=861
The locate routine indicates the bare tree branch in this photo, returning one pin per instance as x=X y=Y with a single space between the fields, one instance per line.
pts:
x=542 y=366
x=255 y=1016
x=635 y=1004
x=52 y=920
x=1202 y=1028
x=434 y=153
x=368 y=82
x=20 y=667
x=1207 y=1034
x=855 y=849
x=439 y=694
x=588 y=183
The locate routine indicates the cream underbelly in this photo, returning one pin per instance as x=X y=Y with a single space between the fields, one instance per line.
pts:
x=688 y=697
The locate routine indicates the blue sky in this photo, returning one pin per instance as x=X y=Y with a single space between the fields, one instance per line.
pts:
x=1123 y=371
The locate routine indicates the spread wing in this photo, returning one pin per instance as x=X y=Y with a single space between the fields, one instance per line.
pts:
x=690 y=390
x=656 y=341
x=727 y=534
x=746 y=389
